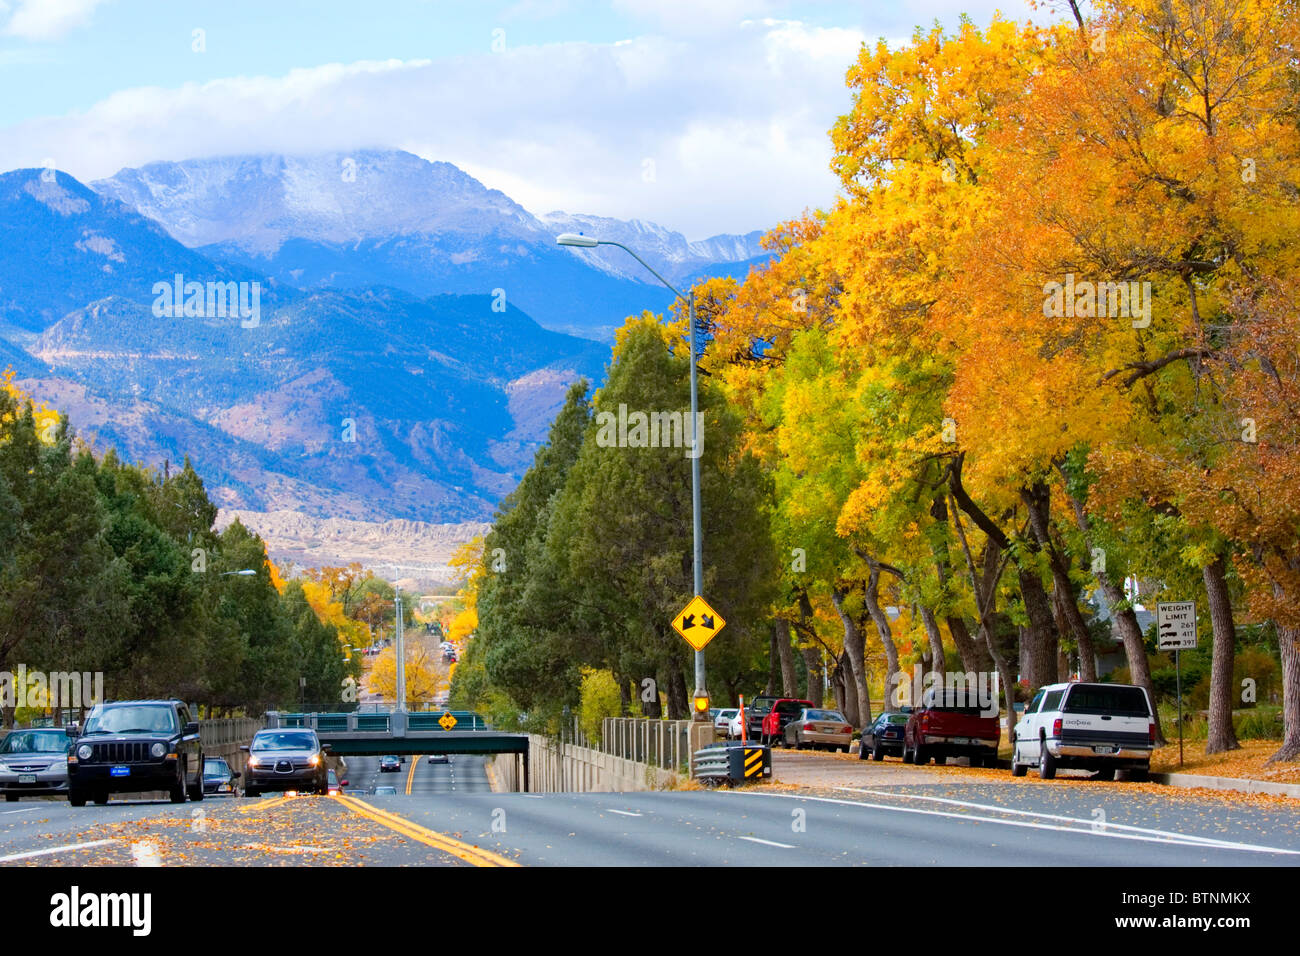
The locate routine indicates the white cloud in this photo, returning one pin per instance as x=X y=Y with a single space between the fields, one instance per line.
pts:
x=48 y=19
x=737 y=138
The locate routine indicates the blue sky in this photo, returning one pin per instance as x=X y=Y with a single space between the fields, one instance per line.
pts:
x=704 y=115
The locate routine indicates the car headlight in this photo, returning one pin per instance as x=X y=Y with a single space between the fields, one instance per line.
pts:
x=84 y=751
x=315 y=760
x=254 y=762
x=158 y=749
x=4 y=768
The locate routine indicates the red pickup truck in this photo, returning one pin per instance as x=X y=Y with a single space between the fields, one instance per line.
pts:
x=946 y=725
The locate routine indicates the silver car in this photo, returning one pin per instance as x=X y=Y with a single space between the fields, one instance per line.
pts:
x=818 y=728
x=722 y=720
x=34 y=762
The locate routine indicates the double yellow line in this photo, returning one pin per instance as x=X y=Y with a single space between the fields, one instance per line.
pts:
x=439 y=841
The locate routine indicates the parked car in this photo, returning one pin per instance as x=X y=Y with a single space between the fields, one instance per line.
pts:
x=948 y=725
x=133 y=746
x=1101 y=727
x=34 y=762
x=756 y=711
x=783 y=710
x=734 y=726
x=218 y=778
x=817 y=728
x=722 y=720
x=286 y=759
x=884 y=736
x=389 y=765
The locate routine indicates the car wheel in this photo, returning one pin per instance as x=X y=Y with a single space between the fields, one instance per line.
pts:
x=1018 y=769
x=1139 y=775
x=845 y=748
x=877 y=752
x=76 y=798
x=196 y=791
x=252 y=792
x=907 y=754
x=1106 y=773
x=862 y=750
x=11 y=798
x=177 y=792
x=100 y=799
x=919 y=756
x=1046 y=763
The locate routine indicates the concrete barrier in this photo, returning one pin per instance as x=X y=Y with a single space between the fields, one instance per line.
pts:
x=555 y=767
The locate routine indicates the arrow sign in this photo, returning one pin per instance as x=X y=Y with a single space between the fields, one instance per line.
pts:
x=698 y=623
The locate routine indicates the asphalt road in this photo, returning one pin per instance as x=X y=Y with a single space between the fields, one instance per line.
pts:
x=964 y=824
x=418 y=777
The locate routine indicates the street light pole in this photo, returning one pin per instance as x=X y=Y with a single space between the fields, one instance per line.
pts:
x=697 y=533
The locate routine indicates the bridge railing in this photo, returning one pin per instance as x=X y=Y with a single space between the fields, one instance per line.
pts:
x=659 y=743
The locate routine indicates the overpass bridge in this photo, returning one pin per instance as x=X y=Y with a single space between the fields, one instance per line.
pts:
x=407 y=733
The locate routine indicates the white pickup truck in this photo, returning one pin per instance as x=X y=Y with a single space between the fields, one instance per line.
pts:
x=1101 y=727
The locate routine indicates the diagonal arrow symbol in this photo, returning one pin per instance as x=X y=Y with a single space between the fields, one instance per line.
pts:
x=707 y=620
x=688 y=621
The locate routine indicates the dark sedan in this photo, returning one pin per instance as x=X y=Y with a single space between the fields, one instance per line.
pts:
x=218 y=778
x=885 y=736
x=286 y=760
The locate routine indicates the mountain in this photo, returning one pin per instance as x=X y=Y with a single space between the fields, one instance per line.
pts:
x=63 y=245
x=349 y=221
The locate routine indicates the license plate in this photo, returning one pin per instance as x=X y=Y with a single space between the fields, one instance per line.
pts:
x=961 y=740
x=27 y=778
x=1103 y=750
x=119 y=771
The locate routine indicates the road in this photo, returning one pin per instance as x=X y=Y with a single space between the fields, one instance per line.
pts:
x=875 y=820
x=418 y=777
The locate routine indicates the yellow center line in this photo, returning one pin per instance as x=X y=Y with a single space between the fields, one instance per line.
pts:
x=439 y=841
x=259 y=804
x=410 y=777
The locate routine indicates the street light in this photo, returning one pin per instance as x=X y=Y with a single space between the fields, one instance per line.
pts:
x=580 y=241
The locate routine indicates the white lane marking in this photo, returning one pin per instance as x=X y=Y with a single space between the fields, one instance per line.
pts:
x=54 y=849
x=626 y=813
x=784 y=846
x=1091 y=824
x=24 y=810
x=1177 y=841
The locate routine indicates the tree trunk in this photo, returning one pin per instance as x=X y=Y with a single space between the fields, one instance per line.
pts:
x=789 y=679
x=1038 y=501
x=812 y=659
x=625 y=697
x=974 y=656
x=1040 y=634
x=855 y=651
x=841 y=681
x=1288 y=639
x=937 y=663
x=1220 y=736
x=678 y=701
x=772 y=655
x=881 y=620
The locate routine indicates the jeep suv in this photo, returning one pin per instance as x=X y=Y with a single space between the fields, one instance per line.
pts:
x=132 y=746
x=1101 y=727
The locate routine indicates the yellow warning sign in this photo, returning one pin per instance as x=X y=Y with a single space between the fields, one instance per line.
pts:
x=447 y=721
x=698 y=623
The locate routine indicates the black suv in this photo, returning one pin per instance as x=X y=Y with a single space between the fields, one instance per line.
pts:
x=755 y=711
x=130 y=746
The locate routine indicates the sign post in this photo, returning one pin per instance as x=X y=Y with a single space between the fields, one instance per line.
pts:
x=1176 y=631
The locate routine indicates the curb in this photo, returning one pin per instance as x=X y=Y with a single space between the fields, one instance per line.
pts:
x=1235 y=784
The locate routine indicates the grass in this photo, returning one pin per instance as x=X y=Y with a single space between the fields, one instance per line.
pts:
x=1249 y=761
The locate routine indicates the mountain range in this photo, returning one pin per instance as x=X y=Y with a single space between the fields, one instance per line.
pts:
x=414 y=331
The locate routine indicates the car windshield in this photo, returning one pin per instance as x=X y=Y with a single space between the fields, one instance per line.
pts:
x=132 y=719
x=1100 y=699
x=35 y=742
x=286 y=740
x=895 y=718
x=824 y=715
x=789 y=707
x=215 y=768
x=728 y=714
